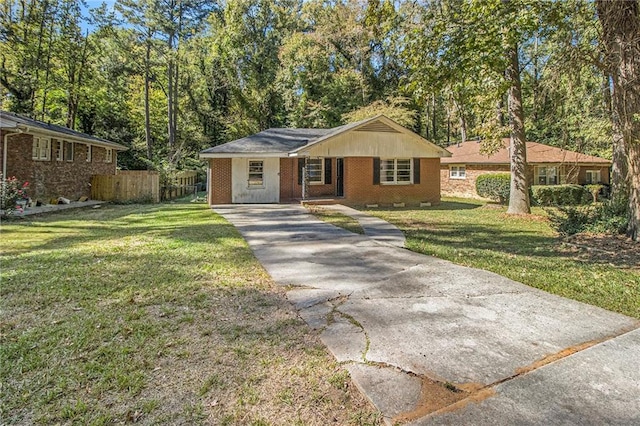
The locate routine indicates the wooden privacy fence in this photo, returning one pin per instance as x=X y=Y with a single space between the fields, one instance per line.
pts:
x=127 y=185
x=180 y=184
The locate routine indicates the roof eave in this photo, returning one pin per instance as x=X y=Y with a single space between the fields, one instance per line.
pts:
x=204 y=155
x=39 y=130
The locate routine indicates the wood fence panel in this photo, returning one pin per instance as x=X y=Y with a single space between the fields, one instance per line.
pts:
x=127 y=185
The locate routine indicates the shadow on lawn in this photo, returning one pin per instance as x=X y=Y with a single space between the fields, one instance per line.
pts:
x=444 y=205
x=470 y=237
x=175 y=221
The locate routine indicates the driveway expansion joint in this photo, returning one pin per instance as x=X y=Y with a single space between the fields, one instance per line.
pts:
x=438 y=319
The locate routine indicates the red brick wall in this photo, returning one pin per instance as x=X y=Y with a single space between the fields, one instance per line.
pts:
x=467 y=187
x=289 y=188
x=359 y=188
x=52 y=178
x=582 y=174
x=220 y=185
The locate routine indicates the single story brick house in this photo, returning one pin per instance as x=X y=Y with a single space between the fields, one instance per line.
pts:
x=373 y=161
x=55 y=160
x=547 y=165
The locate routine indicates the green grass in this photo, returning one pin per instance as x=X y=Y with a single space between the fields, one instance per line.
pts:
x=523 y=248
x=336 y=218
x=154 y=314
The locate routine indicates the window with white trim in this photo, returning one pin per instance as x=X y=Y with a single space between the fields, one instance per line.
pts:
x=396 y=171
x=546 y=175
x=315 y=170
x=68 y=151
x=108 y=156
x=58 y=150
x=89 y=153
x=457 y=172
x=256 y=174
x=593 y=176
x=41 y=149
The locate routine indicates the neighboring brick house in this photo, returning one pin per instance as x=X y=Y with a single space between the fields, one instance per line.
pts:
x=372 y=161
x=546 y=165
x=55 y=160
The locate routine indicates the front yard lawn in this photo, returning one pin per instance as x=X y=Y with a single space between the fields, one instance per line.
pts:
x=157 y=315
x=523 y=248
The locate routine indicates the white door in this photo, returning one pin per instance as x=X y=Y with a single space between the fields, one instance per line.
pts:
x=255 y=180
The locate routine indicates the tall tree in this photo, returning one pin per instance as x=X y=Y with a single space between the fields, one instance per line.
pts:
x=25 y=28
x=621 y=36
x=138 y=15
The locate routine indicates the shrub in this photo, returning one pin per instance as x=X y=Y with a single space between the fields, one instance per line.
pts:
x=11 y=190
x=595 y=190
x=560 y=195
x=495 y=186
x=612 y=216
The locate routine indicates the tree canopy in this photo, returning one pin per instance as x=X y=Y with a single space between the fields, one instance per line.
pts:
x=170 y=77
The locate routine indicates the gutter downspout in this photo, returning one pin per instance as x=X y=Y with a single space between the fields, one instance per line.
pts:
x=5 y=151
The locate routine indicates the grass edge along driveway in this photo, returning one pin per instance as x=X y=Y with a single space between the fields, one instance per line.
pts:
x=523 y=248
x=155 y=314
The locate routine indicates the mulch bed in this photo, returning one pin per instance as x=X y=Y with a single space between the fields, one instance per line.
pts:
x=617 y=250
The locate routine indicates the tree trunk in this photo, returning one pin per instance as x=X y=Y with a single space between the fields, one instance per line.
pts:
x=433 y=117
x=147 y=115
x=519 y=195
x=620 y=31
x=170 y=105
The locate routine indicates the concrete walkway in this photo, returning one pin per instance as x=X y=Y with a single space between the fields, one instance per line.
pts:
x=430 y=342
x=373 y=227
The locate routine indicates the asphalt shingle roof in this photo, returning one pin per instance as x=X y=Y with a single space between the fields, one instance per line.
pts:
x=469 y=153
x=64 y=131
x=270 y=140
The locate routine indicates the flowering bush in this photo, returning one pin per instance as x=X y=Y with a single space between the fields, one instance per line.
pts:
x=11 y=190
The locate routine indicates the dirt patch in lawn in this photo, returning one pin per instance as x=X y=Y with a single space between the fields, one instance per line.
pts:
x=616 y=250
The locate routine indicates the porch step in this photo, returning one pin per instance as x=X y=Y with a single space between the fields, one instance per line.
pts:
x=321 y=201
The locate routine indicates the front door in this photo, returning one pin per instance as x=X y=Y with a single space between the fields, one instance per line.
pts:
x=255 y=180
x=339 y=177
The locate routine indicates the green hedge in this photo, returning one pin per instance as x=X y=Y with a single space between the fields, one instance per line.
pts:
x=495 y=186
x=560 y=195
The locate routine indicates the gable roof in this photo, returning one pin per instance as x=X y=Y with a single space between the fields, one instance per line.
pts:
x=275 y=140
x=14 y=122
x=281 y=141
x=469 y=153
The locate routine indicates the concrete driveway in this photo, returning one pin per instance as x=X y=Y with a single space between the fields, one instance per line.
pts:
x=430 y=342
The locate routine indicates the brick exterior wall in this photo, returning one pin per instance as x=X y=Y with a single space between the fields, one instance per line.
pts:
x=290 y=190
x=359 y=188
x=220 y=185
x=358 y=183
x=467 y=187
x=52 y=178
x=604 y=173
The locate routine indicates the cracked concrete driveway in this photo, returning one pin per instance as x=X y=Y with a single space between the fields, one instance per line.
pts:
x=430 y=342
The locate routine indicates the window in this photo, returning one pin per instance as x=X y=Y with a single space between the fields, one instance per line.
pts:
x=108 y=156
x=256 y=174
x=457 y=172
x=593 y=176
x=547 y=175
x=396 y=171
x=68 y=151
x=41 y=149
x=88 y=153
x=315 y=170
x=58 y=150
